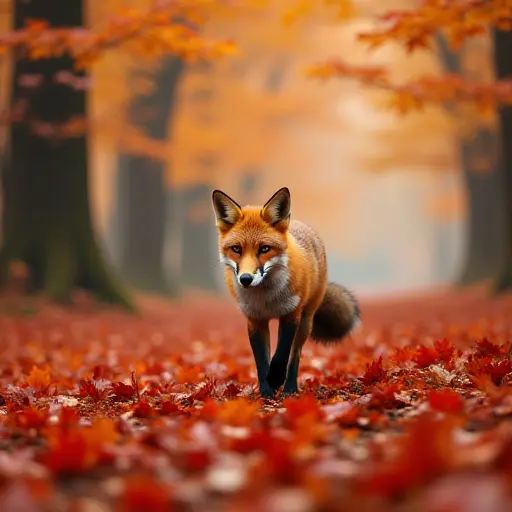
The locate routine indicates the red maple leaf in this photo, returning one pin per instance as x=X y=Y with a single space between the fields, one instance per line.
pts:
x=445 y=350
x=349 y=418
x=424 y=452
x=425 y=356
x=231 y=391
x=384 y=397
x=374 y=372
x=204 y=390
x=169 y=407
x=498 y=370
x=32 y=418
x=16 y=396
x=69 y=417
x=69 y=456
x=197 y=459
x=78 y=449
x=143 y=410
x=97 y=390
x=122 y=390
x=298 y=408
x=256 y=441
x=153 y=389
x=280 y=463
x=445 y=400
x=485 y=348
x=144 y=493
x=402 y=356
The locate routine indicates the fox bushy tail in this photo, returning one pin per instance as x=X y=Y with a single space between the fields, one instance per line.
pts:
x=337 y=315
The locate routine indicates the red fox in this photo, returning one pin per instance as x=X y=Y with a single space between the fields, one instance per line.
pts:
x=276 y=268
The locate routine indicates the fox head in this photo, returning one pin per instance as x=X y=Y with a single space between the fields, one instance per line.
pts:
x=253 y=239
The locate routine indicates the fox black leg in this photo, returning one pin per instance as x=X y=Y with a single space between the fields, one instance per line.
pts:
x=303 y=333
x=290 y=384
x=259 y=337
x=279 y=364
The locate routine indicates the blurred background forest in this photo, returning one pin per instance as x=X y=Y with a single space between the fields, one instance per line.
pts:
x=404 y=203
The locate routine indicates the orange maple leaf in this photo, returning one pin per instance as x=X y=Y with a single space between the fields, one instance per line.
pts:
x=102 y=431
x=210 y=409
x=79 y=448
x=238 y=412
x=39 y=379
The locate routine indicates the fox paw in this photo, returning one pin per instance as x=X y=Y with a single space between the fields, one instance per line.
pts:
x=266 y=391
x=290 y=390
x=276 y=374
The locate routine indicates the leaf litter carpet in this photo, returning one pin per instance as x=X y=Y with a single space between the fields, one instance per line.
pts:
x=101 y=411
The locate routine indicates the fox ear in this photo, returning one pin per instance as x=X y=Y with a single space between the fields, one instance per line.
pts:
x=227 y=211
x=276 y=210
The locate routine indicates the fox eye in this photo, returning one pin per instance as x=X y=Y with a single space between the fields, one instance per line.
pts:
x=264 y=249
x=236 y=249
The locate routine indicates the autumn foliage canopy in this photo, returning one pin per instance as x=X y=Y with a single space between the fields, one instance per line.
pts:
x=182 y=27
x=416 y=29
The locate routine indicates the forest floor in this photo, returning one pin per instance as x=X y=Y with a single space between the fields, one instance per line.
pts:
x=104 y=411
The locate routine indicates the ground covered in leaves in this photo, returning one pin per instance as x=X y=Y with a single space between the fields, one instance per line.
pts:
x=101 y=411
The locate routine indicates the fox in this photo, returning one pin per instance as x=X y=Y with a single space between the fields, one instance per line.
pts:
x=276 y=268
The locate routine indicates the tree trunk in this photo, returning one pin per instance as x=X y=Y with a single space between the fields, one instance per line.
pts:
x=142 y=196
x=199 y=254
x=47 y=218
x=485 y=249
x=503 y=63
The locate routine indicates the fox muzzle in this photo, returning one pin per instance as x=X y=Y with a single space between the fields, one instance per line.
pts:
x=247 y=279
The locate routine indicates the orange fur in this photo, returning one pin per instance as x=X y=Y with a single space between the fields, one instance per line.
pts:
x=277 y=268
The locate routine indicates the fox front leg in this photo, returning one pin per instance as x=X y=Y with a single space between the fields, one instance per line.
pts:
x=303 y=333
x=259 y=337
x=278 y=366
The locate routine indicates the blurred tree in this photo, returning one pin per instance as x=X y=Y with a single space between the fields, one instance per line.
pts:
x=483 y=178
x=199 y=248
x=503 y=63
x=192 y=221
x=141 y=191
x=52 y=231
x=414 y=27
x=47 y=220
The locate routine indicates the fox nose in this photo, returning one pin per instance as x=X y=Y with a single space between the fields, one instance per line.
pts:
x=245 y=280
